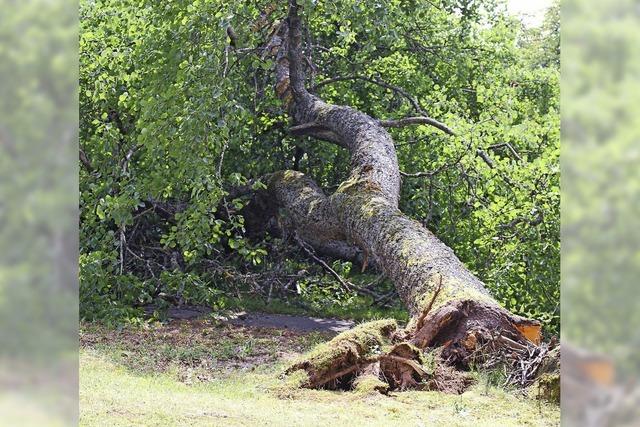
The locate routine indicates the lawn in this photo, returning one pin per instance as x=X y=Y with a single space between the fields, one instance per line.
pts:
x=207 y=373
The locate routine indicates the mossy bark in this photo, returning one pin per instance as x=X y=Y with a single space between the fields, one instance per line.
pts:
x=337 y=362
x=448 y=304
x=309 y=212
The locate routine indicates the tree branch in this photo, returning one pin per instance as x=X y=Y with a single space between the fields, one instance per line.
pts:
x=296 y=71
x=485 y=157
x=421 y=120
x=85 y=161
x=412 y=100
x=420 y=174
x=317 y=131
x=348 y=286
x=311 y=253
x=509 y=146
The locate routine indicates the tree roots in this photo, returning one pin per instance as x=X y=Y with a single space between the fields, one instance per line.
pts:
x=379 y=356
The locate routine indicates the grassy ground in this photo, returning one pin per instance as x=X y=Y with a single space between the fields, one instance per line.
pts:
x=205 y=373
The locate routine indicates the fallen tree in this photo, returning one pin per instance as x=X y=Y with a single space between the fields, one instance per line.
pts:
x=450 y=308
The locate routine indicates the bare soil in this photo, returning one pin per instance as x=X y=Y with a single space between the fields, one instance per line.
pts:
x=298 y=323
x=262 y=320
x=199 y=347
x=201 y=350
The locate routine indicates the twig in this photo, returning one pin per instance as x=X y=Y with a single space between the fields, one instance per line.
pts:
x=435 y=171
x=146 y=261
x=85 y=161
x=122 y=246
x=511 y=343
x=383 y=299
x=219 y=176
x=226 y=61
x=125 y=161
x=326 y=266
x=350 y=287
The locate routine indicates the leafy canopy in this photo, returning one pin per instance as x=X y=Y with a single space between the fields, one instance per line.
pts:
x=172 y=117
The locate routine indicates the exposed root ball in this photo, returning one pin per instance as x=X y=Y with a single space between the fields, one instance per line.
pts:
x=378 y=356
x=369 y=381
x=335 y=364
x=365 y=358
x=447 y=379
x=403 y=366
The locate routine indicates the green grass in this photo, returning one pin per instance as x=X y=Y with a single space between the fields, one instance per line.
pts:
x=205 y=374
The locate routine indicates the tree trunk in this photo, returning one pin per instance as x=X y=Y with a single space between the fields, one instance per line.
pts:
x=449 y=306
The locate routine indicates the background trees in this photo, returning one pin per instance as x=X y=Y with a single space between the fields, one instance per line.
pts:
x=173 y=118
x=38 y=212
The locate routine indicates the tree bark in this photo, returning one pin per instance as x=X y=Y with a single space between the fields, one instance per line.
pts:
x=449 y=306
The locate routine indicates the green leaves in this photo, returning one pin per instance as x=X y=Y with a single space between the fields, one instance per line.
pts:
x=172 y=117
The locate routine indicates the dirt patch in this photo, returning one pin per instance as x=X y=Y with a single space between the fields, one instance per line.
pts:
x=298 y=323
x=184 y=312
x=197 y=350
x=257 y=319
x=203 y=350
x=447 y=379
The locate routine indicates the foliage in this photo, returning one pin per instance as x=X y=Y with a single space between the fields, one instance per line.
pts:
x=38 y=183
x=601 y=259
x=172 y=118
x=38 y=212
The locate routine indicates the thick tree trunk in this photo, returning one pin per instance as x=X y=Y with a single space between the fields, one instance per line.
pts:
x=449 y=306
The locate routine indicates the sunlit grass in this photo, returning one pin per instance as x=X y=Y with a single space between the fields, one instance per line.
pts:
x=116 y=391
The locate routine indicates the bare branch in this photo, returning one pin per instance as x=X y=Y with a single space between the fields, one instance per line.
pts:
x=317 y=131
x=424 y=119
x=484 y=156
x=412 y=100
x=124 y=164
x=311 y=253
x=296 y=69
x=421 y=120
x=435 y=171
x=348 y=286
x=420 y=174
x=85 y=161
x=509 y=146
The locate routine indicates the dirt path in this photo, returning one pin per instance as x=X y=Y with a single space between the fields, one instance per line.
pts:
x=299 y=323
x=264 y=320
